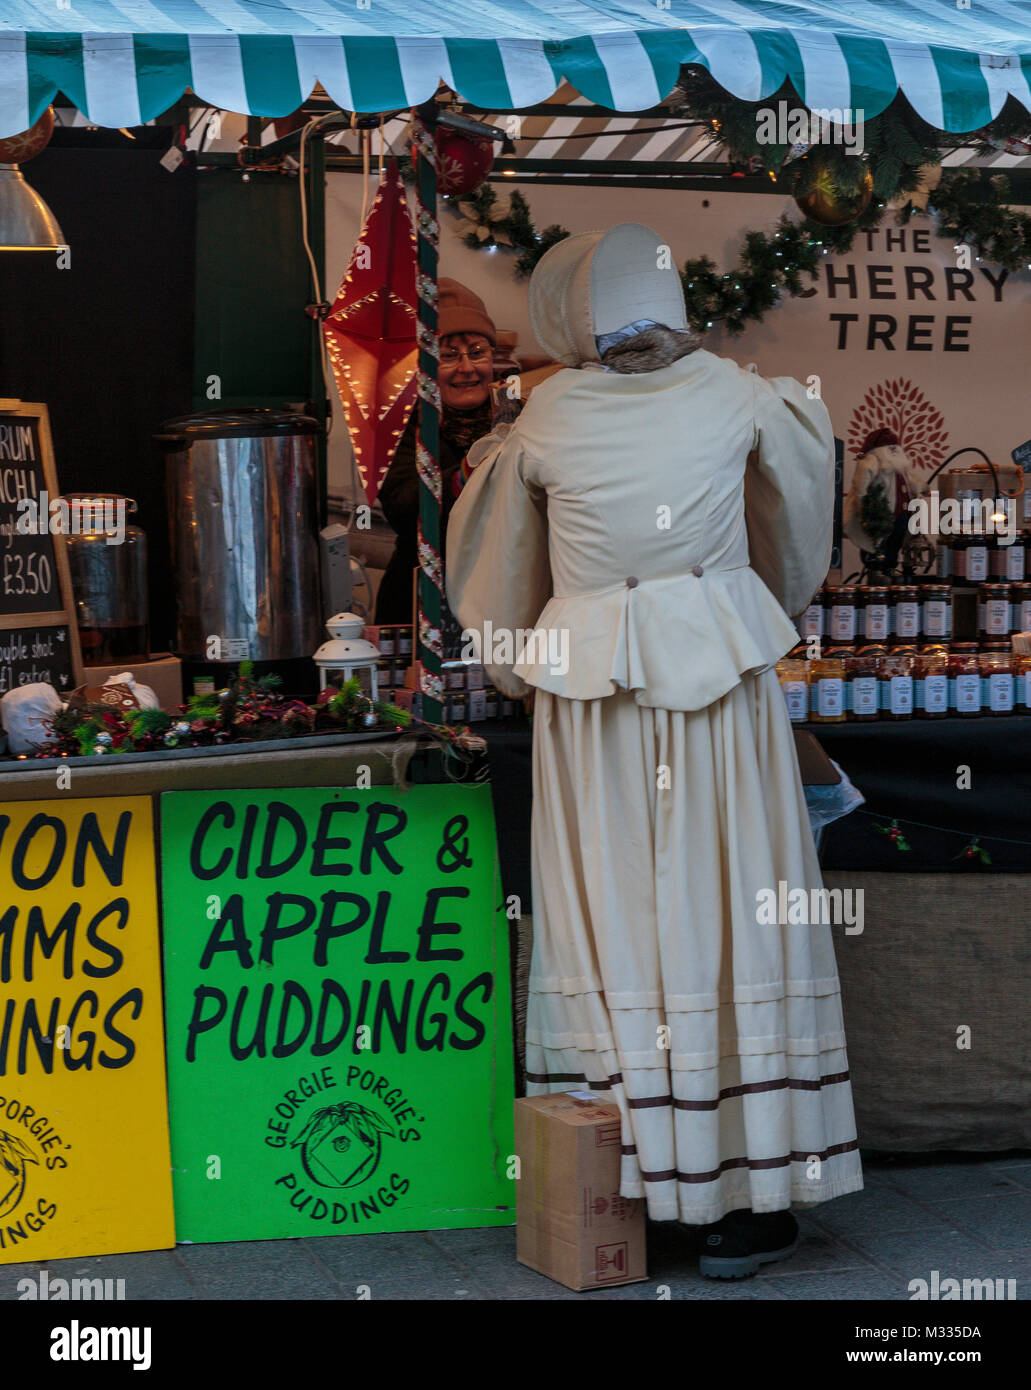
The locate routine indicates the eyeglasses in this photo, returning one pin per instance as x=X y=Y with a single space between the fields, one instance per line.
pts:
x=476 y=354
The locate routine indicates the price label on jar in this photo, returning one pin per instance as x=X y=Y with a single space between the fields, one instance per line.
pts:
x=932 y=694
x=994 y=615
x=997 y=692
x=843 y=622
x=877 y=626
x=795 y=699
x=830 y=697
x=812 y=621
x=977 y=563
x=936 y=616
x=907 y=619
x=900 y=695
x=965 y=694
x=865 y=695
x=1013 y=559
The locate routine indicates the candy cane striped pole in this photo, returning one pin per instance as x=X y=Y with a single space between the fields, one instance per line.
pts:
x=431 y=573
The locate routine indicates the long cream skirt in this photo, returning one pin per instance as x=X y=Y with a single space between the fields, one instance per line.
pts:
x=654 y=981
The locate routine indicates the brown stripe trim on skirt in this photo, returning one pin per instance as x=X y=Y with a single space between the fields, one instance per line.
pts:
x=756 y=1087
x=547 y=1078
x=728 y=1093
x=668 y=1174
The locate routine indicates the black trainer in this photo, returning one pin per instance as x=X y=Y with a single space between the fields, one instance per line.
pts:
x=736 y=1246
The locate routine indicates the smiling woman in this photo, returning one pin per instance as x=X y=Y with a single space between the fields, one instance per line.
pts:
x=467 y=341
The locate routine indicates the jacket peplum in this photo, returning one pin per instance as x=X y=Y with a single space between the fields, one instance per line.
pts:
x=727 y=477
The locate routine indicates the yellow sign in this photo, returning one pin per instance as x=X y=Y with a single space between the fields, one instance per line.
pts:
x=84 y=1158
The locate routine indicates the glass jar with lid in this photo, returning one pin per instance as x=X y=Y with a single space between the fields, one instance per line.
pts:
x=993 y=611
x=827 y=690
x=959 y=560
x=897 y=683
x=931 y=683
x=812 y=621
x=843 y=614
x=863 y=693
x=976 y=558
x=936 y=611
x=997 y=678
x=905 y=602
x=964 y=680
x=794 y=685
x=875 y=613
x=1007 y=562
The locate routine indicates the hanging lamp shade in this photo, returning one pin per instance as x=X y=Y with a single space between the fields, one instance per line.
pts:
x=26 y=223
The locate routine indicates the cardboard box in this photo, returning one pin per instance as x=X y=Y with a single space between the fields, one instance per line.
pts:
x=163 y=673
x=571 y=1222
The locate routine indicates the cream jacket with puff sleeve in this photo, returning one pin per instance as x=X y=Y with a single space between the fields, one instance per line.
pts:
x=653 y=528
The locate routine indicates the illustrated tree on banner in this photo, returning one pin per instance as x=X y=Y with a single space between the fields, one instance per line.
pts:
x=371 y=333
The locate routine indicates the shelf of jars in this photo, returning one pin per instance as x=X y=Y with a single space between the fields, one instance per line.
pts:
x=956 y=644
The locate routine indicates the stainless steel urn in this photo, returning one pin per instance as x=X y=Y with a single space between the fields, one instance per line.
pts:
x=243 y=510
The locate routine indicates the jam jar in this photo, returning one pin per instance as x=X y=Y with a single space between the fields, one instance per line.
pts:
x=936 y=612
x=976 y=559
x=997 y=679
x=993 y=612
x=843 y=614
x=905 y=604
x=1007 y=562
x=827 y=690
x=812 y=622
x=876 y=614
x=1020 y=601
x=959 y=561
x=897 y=683
x=964 y=680
x=931 y=683
x=863 y=694
x=794 y=685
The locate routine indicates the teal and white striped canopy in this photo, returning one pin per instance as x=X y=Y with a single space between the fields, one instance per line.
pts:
x=123 y=62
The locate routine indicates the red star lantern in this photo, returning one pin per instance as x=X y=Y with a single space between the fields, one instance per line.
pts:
x=371 y=333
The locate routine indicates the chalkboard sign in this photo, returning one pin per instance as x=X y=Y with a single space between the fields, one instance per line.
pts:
x=39 y=640
x=30 y=654
x=1022 y=455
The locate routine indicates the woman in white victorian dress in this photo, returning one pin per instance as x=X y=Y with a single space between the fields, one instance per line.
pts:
x=662 y=511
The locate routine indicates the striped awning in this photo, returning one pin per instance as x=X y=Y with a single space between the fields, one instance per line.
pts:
x=123 y=62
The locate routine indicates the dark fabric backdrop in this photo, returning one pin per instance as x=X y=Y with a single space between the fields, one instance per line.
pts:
x=108 y=343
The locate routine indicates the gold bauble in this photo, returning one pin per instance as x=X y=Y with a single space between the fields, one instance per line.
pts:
x=824 y=202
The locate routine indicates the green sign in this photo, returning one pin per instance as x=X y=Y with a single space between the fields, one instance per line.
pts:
x=338 y=1018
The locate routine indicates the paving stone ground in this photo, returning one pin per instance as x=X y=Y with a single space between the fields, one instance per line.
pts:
x=966 y=1217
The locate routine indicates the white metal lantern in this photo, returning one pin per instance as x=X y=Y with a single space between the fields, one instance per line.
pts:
x=348 y=656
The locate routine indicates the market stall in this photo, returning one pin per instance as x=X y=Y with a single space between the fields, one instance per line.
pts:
x=231 y=811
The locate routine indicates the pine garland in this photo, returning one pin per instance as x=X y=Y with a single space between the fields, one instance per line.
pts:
x=898 y=146
x=514 y=229
x=897 y=143
x=968 y=213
